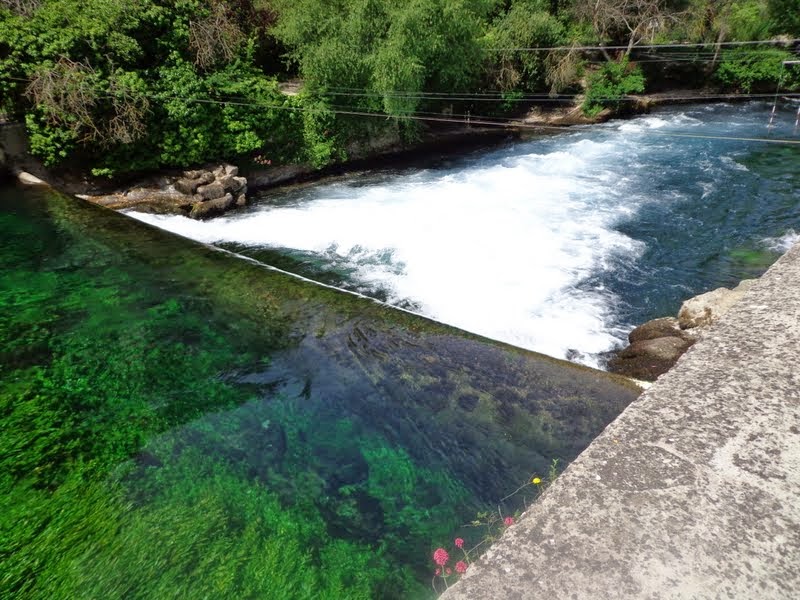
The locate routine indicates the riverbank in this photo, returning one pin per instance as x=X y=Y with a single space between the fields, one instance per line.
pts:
x=156 y=192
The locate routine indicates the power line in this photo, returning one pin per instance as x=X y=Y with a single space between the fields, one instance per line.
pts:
x=649 y=46
x=482 y=120
x=474 y=96
x=534 y=97
x=463 y=119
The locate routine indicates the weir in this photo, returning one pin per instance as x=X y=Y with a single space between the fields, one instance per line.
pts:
x=692 y=491
x=257 y=431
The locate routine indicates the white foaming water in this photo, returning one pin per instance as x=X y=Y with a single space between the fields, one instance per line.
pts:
x=503 y=247
x=784 y=242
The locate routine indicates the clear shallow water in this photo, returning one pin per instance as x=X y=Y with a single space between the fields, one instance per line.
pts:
x=560 y=244
x=178 y=422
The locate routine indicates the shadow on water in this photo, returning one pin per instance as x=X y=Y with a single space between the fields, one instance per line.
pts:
x=176 y=420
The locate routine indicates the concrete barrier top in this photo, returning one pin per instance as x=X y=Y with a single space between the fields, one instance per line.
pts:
x=693 y=492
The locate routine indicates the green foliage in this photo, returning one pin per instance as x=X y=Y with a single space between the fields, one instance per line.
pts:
x=747 y=70
x=526 y=25
x=142 y=100
x=136 y=463
x=608 y=86
x=784 y=17
x=146 y=84
x=747 y=20
x=379 y=55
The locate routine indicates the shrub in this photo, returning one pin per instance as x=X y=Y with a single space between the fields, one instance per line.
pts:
x=749 y=69
x=607 y=87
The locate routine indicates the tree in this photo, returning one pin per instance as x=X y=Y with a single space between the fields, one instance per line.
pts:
x=629 y=22
x=526 y=25
x=784 y=16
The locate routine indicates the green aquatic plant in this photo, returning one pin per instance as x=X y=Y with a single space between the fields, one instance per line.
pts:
x=176 y=421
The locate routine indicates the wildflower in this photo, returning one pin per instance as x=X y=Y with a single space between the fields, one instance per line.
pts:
x=461 y=567
x=438 y=571
x=508 y=521
x=459 y=543
x=440 y=557
x=536 y=481
x=449 y=571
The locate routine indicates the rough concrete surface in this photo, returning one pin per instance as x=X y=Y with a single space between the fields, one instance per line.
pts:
x=693 y=492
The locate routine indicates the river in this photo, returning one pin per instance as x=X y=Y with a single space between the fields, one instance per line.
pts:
x=176 y=421
x=560 y=244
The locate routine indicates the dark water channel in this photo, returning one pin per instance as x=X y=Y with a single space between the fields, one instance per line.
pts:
x=176 y=422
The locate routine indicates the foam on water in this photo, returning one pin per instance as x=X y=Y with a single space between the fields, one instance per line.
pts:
x=782 y=243
x=511 y=245
x=499 y=249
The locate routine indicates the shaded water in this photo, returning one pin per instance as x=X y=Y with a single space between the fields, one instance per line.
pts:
x=561 y=244
x=178 y=422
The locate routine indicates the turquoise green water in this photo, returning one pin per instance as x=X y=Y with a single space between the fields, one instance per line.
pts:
x=179 y=423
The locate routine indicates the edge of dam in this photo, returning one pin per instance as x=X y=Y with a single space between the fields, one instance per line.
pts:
x=692 y=492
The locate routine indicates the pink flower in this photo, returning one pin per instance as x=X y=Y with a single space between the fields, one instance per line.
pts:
x=440 y=557
x=461 y=567
x=449 y=571
x=437 y=571
x=459 y=543
x=508 y=521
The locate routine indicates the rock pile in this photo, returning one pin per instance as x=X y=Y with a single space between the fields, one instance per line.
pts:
x=213 y=192
x=657 y=345
x=197 y=194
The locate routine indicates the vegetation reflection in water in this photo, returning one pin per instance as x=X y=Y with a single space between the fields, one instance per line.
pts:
x=175 y=422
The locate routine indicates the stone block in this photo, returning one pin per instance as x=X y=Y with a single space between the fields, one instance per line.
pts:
x=212 y=191
x=211 y=208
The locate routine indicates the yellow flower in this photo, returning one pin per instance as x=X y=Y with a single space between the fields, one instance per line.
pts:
x=536 y=481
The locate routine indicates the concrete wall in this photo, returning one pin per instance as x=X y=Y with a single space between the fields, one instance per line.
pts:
x=693 y=492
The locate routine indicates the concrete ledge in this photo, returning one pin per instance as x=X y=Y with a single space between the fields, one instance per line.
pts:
x=693 y=492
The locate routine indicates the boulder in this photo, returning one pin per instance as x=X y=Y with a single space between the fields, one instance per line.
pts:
x=189 y=185
x=241 y=200
x=211 y=208
x=231 y=170
x=647 y=359
x=706 y=308
x=657 y=328
x=212 y=191
x=232 y=183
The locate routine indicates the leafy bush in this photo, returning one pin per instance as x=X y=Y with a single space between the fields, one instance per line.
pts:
x=610 y=84
x=749 y=69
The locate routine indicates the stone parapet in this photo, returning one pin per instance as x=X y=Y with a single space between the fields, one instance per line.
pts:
x=692 y=492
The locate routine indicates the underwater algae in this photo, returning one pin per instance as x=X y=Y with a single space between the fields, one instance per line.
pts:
x=179 y=422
